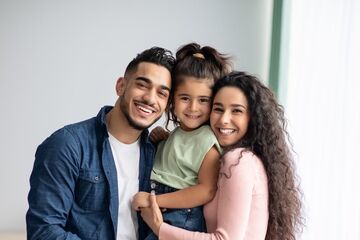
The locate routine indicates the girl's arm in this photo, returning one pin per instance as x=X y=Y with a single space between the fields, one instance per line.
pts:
x=198 y=194
x=233 y=209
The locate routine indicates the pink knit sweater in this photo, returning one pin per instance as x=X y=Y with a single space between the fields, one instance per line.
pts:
x=239 y=210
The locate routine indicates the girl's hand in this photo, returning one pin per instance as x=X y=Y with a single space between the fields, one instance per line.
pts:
x=158 y=134
x=152 y=215
x=140 y=200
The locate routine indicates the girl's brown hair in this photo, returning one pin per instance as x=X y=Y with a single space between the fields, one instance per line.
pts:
x=192 y=60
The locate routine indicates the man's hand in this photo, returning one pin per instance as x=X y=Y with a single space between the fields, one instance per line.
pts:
x=140 y=200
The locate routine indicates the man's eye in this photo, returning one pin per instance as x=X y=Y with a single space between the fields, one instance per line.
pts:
x=141 y=85
x=163 y=94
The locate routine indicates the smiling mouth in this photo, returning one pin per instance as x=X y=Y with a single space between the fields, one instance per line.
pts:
x=145 y=108
x=192 y=116
x=226 y=131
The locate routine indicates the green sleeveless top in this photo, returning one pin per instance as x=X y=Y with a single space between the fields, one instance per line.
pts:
x=178 y=158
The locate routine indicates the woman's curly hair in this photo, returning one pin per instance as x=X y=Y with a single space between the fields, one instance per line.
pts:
x=268 y=139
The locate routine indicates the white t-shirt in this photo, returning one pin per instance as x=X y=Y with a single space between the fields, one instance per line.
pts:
x=126 y=157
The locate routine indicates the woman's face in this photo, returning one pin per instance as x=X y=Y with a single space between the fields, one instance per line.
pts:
x=229 y=117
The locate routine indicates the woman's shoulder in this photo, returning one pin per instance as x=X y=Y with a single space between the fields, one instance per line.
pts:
x=242 y=156
x=238 y=153
x=242 y=162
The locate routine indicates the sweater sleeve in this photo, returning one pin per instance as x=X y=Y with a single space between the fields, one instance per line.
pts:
x=234 y=204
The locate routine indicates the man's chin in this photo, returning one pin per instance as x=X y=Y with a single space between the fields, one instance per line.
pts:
x=141 y=126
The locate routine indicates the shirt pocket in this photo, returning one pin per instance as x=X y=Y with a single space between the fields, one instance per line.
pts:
x=91 y=192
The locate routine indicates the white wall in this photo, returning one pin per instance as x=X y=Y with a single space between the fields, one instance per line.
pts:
x=322 y=102
x=59 y=61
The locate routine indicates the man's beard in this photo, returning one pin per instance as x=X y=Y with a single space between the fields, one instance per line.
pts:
x=137 y=126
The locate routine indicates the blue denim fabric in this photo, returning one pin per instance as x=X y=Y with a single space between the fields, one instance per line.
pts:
x=191 y=219
x=73 y=185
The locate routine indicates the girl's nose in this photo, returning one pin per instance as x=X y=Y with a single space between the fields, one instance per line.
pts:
x=193 y=105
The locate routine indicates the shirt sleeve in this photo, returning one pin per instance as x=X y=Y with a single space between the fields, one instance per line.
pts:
x=52 y=185
x=234 y=204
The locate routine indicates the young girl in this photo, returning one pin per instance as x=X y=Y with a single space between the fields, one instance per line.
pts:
x=258 y=196
x=186 y=164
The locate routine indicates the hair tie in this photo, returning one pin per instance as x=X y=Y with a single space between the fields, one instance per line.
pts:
x=199 y=55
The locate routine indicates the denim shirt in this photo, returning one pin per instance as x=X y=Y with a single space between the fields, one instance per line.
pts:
x=73 y=185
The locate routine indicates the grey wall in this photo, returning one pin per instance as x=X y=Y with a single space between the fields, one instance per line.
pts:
x=59 y=61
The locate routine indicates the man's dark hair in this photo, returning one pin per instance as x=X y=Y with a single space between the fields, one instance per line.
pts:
x=157 y=55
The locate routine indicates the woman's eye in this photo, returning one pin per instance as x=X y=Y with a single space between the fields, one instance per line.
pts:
x=184 y=98
x=217 y=110
x=237 y=111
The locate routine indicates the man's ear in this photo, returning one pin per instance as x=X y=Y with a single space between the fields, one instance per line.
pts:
x=120 y=86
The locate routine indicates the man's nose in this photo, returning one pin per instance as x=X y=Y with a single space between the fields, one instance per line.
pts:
x=150 y=96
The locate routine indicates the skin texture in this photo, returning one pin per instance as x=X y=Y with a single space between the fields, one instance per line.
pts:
x=192 y=103
x=143 y=95
x=229 y=117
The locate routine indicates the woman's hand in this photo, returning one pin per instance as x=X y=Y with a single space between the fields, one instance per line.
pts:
x=152 y=215
x=158 y=134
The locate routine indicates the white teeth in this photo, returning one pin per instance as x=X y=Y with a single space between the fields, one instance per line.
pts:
x=226 y=131
x=192 y=116
x=144 y=109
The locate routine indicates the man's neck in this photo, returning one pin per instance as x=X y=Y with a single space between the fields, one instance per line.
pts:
x=119 y=127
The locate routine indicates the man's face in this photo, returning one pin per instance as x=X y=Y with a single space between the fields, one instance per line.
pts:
x=144 y=94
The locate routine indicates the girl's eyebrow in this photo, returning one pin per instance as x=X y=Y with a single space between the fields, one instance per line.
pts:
x=184 y=94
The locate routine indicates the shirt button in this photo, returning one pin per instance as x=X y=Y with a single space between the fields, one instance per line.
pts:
x=96 y=178
x=189 y=210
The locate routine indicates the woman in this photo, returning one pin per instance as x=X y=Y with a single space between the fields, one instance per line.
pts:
x=257 y=195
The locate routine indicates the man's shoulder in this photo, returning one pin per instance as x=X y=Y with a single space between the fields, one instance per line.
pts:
x=90 y=125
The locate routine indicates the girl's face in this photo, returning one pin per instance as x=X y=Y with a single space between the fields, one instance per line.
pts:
x=229 y=117
x=192 y=102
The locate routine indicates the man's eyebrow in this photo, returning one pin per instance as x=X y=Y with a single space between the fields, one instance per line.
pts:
x=143 y=79
x=148 y=81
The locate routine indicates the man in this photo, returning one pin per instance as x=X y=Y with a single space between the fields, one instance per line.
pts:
x=85 y=174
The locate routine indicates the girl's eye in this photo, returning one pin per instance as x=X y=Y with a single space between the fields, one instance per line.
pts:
x=184 y=98
x=204 y=100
